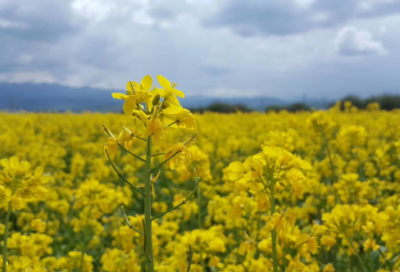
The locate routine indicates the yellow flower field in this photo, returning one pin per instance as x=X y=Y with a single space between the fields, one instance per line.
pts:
x=313 y=191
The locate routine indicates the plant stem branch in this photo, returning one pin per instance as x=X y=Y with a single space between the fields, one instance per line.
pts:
x=311 y=235
x=128 y=223
x=121 y=176
x=161 y=164
x=136 y=156
x=182 y=203
x=140 y=138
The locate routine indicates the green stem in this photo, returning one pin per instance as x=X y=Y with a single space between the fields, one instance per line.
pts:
x=6 y=238
x=386 y=261
x=273 y=233
x=84 y=242
x=147 y=210
x=203 y=265
x=158 y=154
x=355 y=251
x=198 y=198
x=189 y=253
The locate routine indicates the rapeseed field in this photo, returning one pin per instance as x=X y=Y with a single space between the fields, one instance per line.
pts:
x=157 y=188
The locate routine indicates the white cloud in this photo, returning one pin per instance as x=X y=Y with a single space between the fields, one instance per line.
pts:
x=351 y=41
x=232 y=92
x=24 y=77
x=304 y=3
x=92 y=10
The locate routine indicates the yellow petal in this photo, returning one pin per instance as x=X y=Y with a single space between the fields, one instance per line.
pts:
x=39 y=171
x=237 y=167
x=112 y=147
x=146 y=83
x=130 y=105
x=271 y=151
x=159 y=91
x=142 y=116
x=237 y=170
x=119 y=96
x=163 y=82
x=301 y=239
x=174 y=105
x=242 y=248
x=177 y=92
x=312 y=245
x=5 y=163
x=14 y=162
x=304 y=164
x=132 y=87
x=25 y=166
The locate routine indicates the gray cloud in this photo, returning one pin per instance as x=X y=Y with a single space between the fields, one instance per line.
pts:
x=215 y=70
x=43 y=20
x=249 y=18
x=286 y=17
x=31 y=32
x=103 y=43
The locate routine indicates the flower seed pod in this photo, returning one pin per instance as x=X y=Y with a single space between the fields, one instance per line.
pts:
x=156 y=100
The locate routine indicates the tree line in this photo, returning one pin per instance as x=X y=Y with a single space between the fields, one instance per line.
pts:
x=386 y=102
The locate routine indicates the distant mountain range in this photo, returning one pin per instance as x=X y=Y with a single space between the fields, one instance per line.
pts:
x=54 y=97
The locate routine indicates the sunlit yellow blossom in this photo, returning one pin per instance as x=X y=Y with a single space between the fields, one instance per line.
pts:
x=370 y=244
x=168 y=87
x=328 y=241
x=111 y=147
x=176 y=154
x=328 y=268
x=38 y=225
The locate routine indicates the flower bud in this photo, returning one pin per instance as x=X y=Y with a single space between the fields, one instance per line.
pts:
x=156 y=99
x=165 y=105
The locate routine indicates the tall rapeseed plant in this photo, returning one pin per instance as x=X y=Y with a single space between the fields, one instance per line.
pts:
x=159 y=110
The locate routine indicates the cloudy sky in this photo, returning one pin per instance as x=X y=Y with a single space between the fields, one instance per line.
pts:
x=280 y=48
